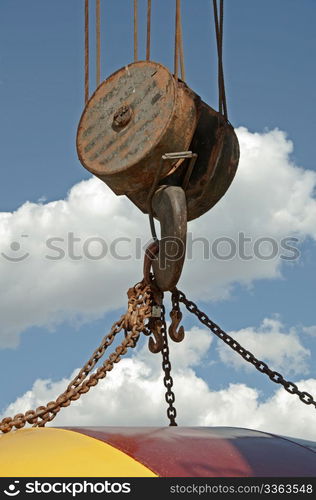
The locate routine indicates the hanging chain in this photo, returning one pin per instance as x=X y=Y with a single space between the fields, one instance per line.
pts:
x=156 y=328
x=262 y=367
x=132 y=323
x=166 y=366
x=142 y=317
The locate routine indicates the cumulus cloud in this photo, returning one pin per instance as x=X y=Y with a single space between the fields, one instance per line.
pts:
x=282 y=350
x=269 y=198
x=133 y=394
x=59 y=278
x=69 y=268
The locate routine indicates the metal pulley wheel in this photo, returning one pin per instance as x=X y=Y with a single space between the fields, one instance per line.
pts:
x=134 y=117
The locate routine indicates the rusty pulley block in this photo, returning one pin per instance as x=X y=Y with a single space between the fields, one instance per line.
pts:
x=217 y=148
x=140 y=115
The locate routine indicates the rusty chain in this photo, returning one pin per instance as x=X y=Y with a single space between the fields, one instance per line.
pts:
x=262 y=367
x=142 y=298
x=132 y=323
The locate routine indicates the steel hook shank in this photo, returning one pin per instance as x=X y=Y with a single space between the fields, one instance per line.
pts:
x=169 y=207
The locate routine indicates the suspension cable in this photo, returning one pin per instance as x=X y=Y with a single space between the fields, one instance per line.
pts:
x=221 y=24
x=218 y=43
x=148 y=30
x=219 y=28
x=135 y=30
x=178 y=46
x=181 y=51
x=177 y=39
x=98 y=41
x=86 y=51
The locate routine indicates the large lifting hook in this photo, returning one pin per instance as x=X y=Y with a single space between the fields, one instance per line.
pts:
x=140 y=115
x=167 y=255
x=168 y=205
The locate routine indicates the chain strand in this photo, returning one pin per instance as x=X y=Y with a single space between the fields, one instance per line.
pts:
x=135 y=321
x=262 y=367
x=166 y=366
x=132 y=323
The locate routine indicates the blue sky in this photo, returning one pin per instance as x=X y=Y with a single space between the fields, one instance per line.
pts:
x=269 y=49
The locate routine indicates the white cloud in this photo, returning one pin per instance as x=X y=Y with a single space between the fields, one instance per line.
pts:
x=310 y=330
x=269 y=197
x=283 y=351
x=133 y=394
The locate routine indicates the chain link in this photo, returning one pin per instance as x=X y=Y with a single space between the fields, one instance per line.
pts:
x=132 y=323
x=262 y=367
x=166 y=366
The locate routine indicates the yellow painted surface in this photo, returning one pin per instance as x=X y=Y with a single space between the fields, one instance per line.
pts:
x=51 y=452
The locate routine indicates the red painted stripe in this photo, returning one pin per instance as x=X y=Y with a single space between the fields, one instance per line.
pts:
x=208 y=452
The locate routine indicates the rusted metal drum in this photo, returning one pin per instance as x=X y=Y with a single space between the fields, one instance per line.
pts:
x=134 y=117
x=217 y=147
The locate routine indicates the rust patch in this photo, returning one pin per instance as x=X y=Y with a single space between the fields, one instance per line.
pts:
x=138 y=114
